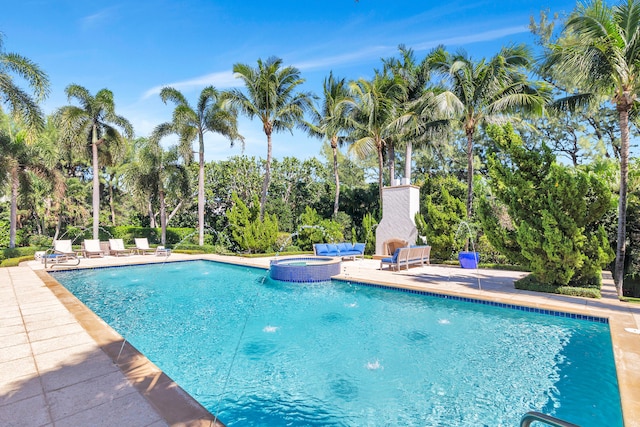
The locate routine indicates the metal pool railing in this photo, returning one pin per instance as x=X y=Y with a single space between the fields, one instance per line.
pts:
x=530 y=417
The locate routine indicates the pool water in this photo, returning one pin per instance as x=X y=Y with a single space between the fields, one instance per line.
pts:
x=259 y=352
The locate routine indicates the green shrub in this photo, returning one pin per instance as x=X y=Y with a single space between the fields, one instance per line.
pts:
x=248 y=231
x=17 y=252
x=14 y=262
x=40 y=241
x=531 y=283
x=555 y=213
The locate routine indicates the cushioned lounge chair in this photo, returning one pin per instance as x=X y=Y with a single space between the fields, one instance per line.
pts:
x=62 y=252
x=142 y=246
x=116 y=247
x=91 y=248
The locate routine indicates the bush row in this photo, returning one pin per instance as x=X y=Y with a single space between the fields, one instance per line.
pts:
x=529 y=283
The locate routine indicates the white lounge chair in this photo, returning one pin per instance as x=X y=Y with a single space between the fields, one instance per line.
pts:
x=62 y=252
x=142 y=246
x=91 y=248
x=116 y=247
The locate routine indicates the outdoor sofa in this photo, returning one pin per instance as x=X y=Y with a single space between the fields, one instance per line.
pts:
x=344 y=250
x=408 y=256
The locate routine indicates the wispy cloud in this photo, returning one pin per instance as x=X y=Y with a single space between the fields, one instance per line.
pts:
x=90 y=21
x=222 y=79
x=346 y=58
x=474 y=38
x=226 y=79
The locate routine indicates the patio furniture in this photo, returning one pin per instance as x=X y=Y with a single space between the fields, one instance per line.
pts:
x=344 y=250
x=91 y=248
x=116 y=247
x=142 y=246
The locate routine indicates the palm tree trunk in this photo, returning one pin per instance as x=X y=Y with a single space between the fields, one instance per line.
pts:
x=96 y=182
x=469 y=173
x=200 y=191
x=407 y=162
x=13 y=211
x=392 y=164
x=267 y=178
x=618 y=274
x=112 y=204
x=380 y=171
x=152 y=218
x=336 y=200
x=163 y=217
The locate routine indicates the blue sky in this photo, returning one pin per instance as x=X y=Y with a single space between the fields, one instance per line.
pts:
x=135 y=48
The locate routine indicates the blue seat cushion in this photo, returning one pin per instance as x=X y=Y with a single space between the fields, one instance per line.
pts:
x=394 y=258
x=359 y=247
x=321 y=249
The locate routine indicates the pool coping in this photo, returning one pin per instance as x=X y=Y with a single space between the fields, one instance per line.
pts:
x=156 y=386
x=170 y=401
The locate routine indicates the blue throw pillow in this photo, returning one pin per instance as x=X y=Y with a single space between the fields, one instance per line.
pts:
x=332 y=249
x=395 y=255
x=344 y=247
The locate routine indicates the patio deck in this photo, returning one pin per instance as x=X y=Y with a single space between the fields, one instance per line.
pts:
x=59 y=363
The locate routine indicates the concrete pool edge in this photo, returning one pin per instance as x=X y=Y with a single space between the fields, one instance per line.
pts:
x=626 y=346
x=171 y=402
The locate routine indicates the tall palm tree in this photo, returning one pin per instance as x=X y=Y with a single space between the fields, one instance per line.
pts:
x=598 y=52
x=190 y=124
x=427 y=109
x=331 y=123
x=375 y=117
x=21 y=104
x=94 y=124
x=488 y=91
x=271 y=96
x=17 y=161
x=156 y=172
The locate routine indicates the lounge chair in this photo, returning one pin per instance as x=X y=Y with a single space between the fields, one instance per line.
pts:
x=142 y=246
x=91 y=248
x=116 y=247
x=62 y=252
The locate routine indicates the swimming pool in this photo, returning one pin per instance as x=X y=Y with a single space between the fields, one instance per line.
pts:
x=336 y=353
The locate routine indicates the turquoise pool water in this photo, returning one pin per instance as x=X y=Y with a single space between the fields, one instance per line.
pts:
x=259 y=352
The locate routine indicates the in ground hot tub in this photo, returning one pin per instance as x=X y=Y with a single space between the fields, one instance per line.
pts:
x=304 y=269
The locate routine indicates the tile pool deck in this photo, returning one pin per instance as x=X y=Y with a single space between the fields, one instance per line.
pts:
x=60 y=365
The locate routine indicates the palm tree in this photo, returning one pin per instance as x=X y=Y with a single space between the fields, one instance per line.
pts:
x=17 y=161
x=156 y=172
x=21 y=104
x=94 y=124
x=374 y=117
x=331 y=123
x=598 y=53
x=210 y=115
x=270 y=96
x=428 y=110
x=488 y=91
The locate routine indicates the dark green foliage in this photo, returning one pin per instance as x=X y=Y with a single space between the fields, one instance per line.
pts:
x=127 y=233
x=14 y=262
x=443 y=208
x=18 y=252
x=530 y=283
x=248 y=232
x=555 y=213
x=314 y=229
x=369 y=225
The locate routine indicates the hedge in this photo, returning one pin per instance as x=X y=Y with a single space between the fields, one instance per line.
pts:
x=529 y=283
